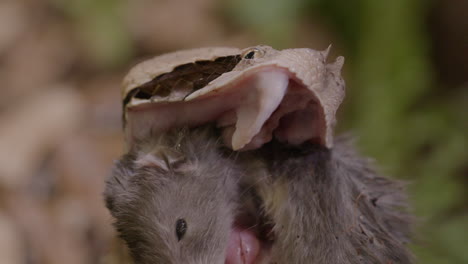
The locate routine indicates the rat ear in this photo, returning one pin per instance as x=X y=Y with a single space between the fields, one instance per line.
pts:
x=164 y=158
x=117 y=184
x=119 y=189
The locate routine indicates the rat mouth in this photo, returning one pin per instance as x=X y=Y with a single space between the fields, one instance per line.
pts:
x=251 y=236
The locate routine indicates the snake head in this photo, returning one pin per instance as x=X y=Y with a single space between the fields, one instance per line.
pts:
x=255 y=95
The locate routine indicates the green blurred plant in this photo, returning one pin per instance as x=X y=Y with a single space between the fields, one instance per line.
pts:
x=100 y=28
x=273 y=20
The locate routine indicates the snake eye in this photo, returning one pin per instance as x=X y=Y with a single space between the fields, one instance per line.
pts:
x=251 y=54
x=181 y=228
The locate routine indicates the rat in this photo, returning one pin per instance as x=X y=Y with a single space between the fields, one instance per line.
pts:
x=175 y=199
x=184 y=198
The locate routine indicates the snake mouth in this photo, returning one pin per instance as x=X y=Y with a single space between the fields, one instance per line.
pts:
x=251 y=110
x=291 y=95
x=251 y=236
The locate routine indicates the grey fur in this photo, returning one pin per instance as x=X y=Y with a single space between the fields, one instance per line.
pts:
x=327 y=206
x=334 y=208
x=146 y=197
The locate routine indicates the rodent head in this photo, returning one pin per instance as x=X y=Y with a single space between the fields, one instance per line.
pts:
x=172 y=207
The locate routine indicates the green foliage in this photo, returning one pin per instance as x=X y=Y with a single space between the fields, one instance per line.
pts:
x=273 y=20
x=100 y=27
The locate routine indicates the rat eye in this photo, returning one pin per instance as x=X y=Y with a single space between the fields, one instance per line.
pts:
x=181 y=228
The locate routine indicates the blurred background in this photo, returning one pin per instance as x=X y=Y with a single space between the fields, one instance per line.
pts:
x=62 y=61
